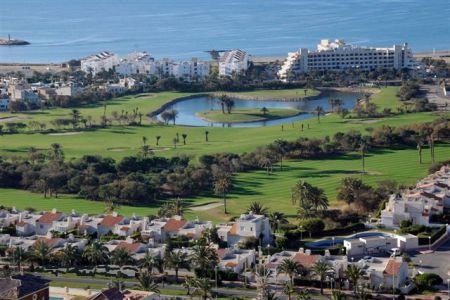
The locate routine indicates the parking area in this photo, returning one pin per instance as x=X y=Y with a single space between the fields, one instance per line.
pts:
x=437 y=262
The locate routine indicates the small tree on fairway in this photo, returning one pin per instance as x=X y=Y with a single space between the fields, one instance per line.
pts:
x=264 y=110
x=175 y=141
x=184 y=136
x=222 y=185
x=319 y=111
x=206 y=135
x=158 y=137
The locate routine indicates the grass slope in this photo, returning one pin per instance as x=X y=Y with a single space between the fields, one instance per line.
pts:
x=247 y=115
x=273 y=94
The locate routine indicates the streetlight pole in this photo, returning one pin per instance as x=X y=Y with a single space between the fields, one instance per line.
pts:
x=301 y=233
x=429 y=243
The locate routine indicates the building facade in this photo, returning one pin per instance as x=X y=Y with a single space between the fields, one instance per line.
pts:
x=337 y=55
x=233 y=62
x=96 y=63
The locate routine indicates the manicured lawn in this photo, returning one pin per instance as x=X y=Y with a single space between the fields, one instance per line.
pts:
x=386 y=98
x=247 y=115
x=273 y=190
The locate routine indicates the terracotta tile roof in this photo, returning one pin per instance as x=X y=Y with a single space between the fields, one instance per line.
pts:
x=231 y=264
x=124 y=228
x=221 y=253
x=130 y=247
x=190 y=235
x=21 y=223
x=233 y=229
x=49 y=217
x=306 y=260
x=49 y=242
x=392 y=267
x=174 y=225
x=110 y=220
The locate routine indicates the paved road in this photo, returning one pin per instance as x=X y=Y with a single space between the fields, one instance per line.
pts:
x=223 y=291
x=437 y=262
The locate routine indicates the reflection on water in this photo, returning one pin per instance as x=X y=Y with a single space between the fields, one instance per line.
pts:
x=188 y=109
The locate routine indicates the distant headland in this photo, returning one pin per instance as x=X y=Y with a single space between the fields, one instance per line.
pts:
x=12 y=42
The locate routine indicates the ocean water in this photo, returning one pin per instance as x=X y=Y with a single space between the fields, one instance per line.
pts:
x=63 y=29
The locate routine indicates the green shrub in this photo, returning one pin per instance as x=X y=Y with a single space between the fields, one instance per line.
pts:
x=426 y=281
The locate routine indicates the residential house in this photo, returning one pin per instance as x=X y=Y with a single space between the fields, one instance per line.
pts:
x=108 y=223
x=386 y=274
x=245 y=227
x=235 y=259
x=4 y=103
x=172 y=227
x=46 y=221
x=20 y=91
x=194 y=229
x=24 y=287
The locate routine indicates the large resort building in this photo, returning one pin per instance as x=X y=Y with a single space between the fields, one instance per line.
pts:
x=338 y=55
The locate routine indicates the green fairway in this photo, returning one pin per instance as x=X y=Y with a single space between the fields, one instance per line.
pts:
x=247 y=115
x=274 y=190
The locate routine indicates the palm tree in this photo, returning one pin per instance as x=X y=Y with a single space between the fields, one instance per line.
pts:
x=221 y=187
x=420 y=144
x=40 y=252
x=257 y=208
x=56 y=153
x=202 y=287
x=151 y=261
x=276 y=219
x=173 y=115
x=279 y=149
x=176 y=260
x=206 y=135
x=321 y=269
x=262 y=276
x=184 y=136
x=158 y=137
x=69 y=255
x=264 y=110
x=230 y=105
x=144 y=140
x=288 y=290
x=303 y=295
x=146 y=282
x=188 y=284
x=175 y=141
x=75 y=115
x=291 y=268
x=353 y=274
x=223 y=99
x=146 y=151
x=121 y=257
x=319 y=111
x=204 y=257
x=309 y=198
x=96 y=253
x=178 y=207
x=363 y=148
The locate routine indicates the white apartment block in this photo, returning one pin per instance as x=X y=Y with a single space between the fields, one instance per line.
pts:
x=22 y=92
x=137 y=63
x=233 y=62
x=235 y=259
x=430 y=196
x=338 y=55
x=246 y=226
x=96 y=63
x=191 y=69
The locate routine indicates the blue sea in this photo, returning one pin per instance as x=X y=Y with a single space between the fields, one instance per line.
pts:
x=60 y=30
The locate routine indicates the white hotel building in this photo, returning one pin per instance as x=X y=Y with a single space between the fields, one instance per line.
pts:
x=96 y=63
x=233 y=62
x=338 y=55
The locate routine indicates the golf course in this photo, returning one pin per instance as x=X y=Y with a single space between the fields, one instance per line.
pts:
x=118 y=141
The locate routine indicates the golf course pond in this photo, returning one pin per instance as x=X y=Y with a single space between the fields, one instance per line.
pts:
x=207 y=111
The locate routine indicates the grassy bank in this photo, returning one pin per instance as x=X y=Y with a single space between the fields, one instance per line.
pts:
x=247 y=115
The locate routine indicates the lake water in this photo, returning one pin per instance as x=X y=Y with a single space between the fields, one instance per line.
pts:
x=188 y=109
x=63 y=29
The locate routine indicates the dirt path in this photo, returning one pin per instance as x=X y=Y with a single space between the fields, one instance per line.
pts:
x=206 y=207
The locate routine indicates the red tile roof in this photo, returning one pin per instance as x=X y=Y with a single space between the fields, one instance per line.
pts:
x=49 y=242
x=132 y=248
x=305 y=259
x=21 y=223
x=221 y=253
x=110 y=220
x=233 y=229
x=174 y=225
x=392 y=267
x=49 y=217
x=230 y=264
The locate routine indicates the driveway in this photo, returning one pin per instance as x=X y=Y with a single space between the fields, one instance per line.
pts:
x=437 y=262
